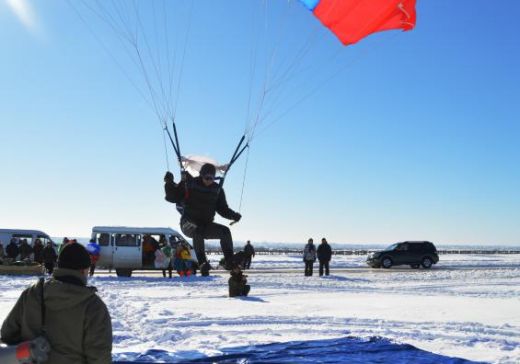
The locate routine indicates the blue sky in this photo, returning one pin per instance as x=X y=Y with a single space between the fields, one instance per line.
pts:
x=415 y=137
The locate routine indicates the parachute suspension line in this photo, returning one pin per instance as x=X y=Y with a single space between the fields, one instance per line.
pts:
x=166 y=151
x=252 y=67
x=243 y=181
x=127 y=38
x=286 y=73
x=148 y=79
x=179 y=81
x=363 y=54
x=169 y=56
x=274 y=77
x=107 y=50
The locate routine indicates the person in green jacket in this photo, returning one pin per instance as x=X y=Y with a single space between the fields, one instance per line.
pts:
x=166 y=248
x=77 y=323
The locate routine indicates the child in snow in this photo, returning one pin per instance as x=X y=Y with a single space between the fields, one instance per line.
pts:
x=183 y=260
x=237 y=283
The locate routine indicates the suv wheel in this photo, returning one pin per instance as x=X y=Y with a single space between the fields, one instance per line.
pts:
x=427 y=262
x=386 y=262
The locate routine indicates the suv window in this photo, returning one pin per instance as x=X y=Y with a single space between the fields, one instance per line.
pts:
x=402 y=247
x=417 y=247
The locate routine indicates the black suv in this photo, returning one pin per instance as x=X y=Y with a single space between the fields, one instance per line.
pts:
x=413 y=253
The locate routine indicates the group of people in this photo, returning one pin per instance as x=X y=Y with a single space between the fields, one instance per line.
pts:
x=323 y=253
x=21 y=250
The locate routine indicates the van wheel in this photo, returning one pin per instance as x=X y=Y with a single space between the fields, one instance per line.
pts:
x=427 y=262
x=387 y=262
x=124 y=272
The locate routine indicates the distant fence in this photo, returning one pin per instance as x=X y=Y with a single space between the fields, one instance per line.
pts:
x=272 y=251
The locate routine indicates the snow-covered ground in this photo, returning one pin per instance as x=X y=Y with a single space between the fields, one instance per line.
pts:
x=467 y=306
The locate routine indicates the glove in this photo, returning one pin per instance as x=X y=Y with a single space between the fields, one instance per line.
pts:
x=237 y=217
x=168 y=177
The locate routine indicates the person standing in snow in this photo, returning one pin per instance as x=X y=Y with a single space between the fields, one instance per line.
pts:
x=309 y=257
x=76 y=324
x=167 y=251
x=202 y=198
x=93 y=249
x=324 y=254
x=49 y=257
x=12 y=250
x=2 y=253
x=249 y=252
x=25 y=250
x=38 y=249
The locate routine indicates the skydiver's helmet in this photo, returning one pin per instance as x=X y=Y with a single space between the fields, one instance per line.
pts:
x=207 y=169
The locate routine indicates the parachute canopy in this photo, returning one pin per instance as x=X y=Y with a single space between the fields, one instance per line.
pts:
x=193 y=163
x=353 y=20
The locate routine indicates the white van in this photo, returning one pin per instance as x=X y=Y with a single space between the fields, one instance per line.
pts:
x=31 y=235
x=121 y=248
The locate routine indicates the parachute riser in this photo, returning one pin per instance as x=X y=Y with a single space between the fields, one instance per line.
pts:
x=175 y=144
x=236 y=154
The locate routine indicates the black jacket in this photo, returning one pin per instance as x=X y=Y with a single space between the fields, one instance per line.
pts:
x=249 y=250
x=12 y=250
x=324 y=252
x=49 y=255
x=25 y=250
x=38 y=253
x=200 y=202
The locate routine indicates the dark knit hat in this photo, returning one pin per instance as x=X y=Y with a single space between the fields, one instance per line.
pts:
x=206 y=169
x=74 y=256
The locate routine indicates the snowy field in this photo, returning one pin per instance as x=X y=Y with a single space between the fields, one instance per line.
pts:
x=467 y=306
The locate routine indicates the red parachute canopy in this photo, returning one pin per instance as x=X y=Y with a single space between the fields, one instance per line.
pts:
x=352 y=20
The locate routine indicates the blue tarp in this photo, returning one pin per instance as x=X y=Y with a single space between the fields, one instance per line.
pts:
x=343 y=350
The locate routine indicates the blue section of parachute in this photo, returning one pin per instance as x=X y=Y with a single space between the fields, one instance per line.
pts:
x=310 y=4
x=350 y=350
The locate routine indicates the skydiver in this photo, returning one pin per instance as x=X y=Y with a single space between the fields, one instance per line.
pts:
x=202 y=197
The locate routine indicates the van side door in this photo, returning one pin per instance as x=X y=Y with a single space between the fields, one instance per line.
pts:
x=106 y=249
x=127 y=251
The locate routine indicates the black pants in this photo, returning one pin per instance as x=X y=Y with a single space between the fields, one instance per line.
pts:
x=92 y=269
x=170 y=270
x=247 y=261
x=325 y=264
x=208 y=231
x=308 y=267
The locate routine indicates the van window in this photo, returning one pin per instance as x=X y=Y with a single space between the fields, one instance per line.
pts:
x=44 y=239
x=28 y=237
x=175 y=239
x=103 y=239
x=127 y=240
